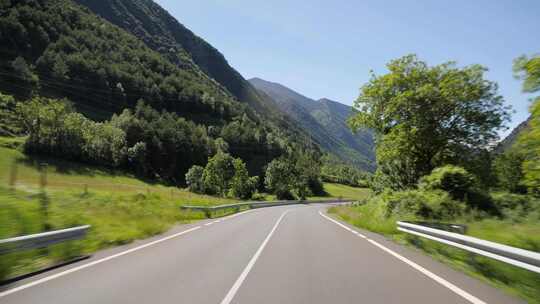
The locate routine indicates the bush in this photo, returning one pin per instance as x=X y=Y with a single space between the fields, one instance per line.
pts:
x=454 y=180
x=194 y=179
x=508 y=169
x=435 y=204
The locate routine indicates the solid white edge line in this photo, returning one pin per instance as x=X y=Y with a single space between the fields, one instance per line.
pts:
x=341 y=225
x=467 y=296
x=63 y=273
x=234 y=289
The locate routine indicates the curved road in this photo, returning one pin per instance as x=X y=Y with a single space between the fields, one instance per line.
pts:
x=288 y=254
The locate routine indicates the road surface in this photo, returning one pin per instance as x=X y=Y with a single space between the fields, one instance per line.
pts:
x=288 y=254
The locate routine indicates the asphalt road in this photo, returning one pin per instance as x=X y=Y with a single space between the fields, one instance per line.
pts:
x=288 y=254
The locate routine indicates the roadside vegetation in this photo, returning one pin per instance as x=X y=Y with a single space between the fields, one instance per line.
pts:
x=435 y=162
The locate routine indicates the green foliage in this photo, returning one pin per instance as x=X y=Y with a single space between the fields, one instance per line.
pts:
x=528 y=69
x=157 y=145
x=242 y=186
x=53 y=128
x=517 y=207
x=279 y=178
x=56 y=46
x=223 y=175
x=295 y=176
x=426 y=116
x=9 y=120
x=509 y=172
x=218 y=174
x=454 y=180
x=194 y=179
x=529 y=145
x=335 y=171
x=417 y=204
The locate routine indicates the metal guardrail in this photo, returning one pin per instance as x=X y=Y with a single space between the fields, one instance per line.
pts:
x=41 y=240
x=526 y=259
x=252 y=205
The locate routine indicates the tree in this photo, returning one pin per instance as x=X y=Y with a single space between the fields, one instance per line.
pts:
x=509 y=172
x=528 y=142
x=242 y=186
x=279 y=178
x=194 y=179
x=218 y=173
x=24 y=78
x=426 y=116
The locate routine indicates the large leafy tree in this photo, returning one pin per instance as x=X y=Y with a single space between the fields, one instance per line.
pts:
x=427 y=116
x=528 y=69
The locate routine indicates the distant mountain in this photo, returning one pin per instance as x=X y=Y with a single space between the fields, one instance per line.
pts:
x=511 y=139
x=325 y=120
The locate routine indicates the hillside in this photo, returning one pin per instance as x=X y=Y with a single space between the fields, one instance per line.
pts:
x=509 y=140
x=163 y=33
x=325 y=120
x=57 y=48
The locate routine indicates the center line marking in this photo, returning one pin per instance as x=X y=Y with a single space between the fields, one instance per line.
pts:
x=234 y=289
x=467 y=296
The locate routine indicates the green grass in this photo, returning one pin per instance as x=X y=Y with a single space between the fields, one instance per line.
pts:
x=345 y=192
x=333 y=191
x=72 y=176
x=115 y=219
x=513 y=280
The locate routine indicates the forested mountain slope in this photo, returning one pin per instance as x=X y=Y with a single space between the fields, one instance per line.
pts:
x=325 y=120
x=163 y=33
x=57 y=48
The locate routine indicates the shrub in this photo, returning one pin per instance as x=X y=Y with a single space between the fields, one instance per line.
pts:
x=194 y=179
x=454 y=180
x=421 y=204
x=509 y=172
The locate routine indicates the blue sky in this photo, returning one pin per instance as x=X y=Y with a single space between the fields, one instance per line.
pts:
x=327 y=48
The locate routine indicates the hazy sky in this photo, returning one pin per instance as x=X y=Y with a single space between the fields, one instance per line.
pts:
x=326 y=48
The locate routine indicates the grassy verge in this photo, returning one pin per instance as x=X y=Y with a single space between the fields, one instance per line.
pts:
x=516 y=281
x=115 y=219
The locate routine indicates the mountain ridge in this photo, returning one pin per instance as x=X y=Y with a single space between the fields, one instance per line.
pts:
x=325 y=120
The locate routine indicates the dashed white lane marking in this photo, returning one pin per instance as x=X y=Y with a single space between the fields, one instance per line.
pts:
x=63 y=273
x=234 y=289
x=467 y=296
x=208 y=224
